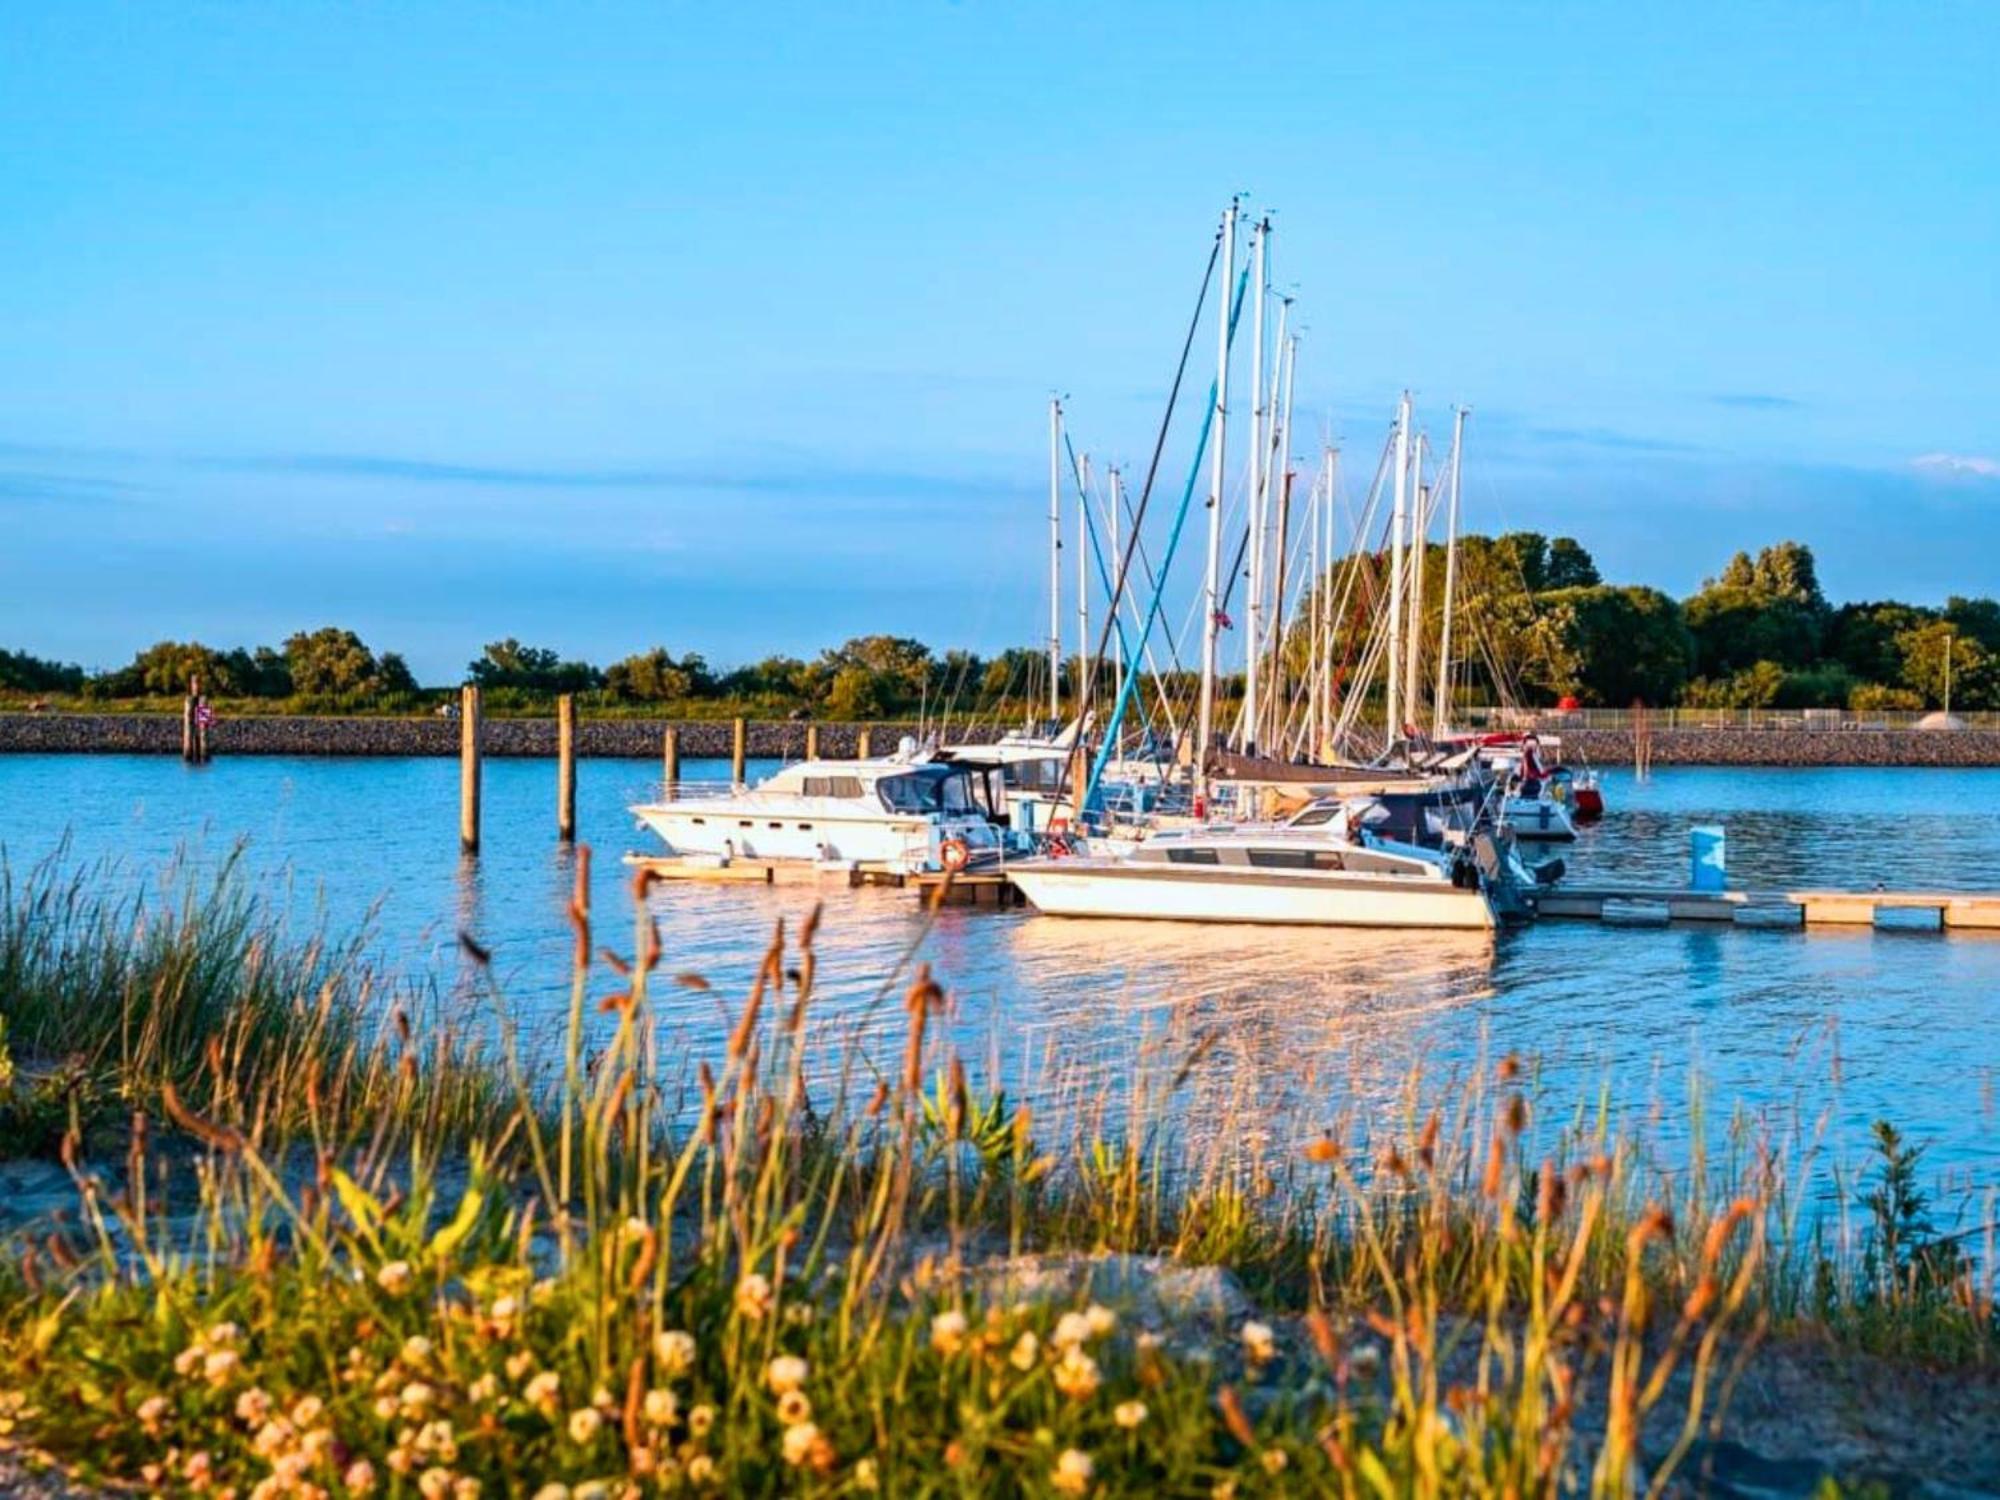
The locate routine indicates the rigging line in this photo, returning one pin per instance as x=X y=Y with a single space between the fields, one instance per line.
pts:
x=1104 y=573
x=1153 y=467
x=1174 y=536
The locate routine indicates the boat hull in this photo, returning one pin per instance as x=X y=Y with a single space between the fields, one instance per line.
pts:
x=1093 y=888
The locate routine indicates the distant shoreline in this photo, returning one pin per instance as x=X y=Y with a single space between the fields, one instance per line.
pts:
x=642 y=739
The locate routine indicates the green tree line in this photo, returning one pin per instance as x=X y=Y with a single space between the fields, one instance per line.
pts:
x=1534 y=623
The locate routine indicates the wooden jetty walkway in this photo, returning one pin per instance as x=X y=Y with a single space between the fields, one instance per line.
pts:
x=1613 y=905
x=1655 y=906
x=965 y=888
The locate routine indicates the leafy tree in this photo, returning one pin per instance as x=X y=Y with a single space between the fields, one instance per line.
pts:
x=1528 y=552
x=509 y=664
x=1978 y=619
x=900 y=669
x=1569 y=566
x=1765 y=610
x=332 y=663
x=656 y=676
x=854 y=694
x=22 y=673
x=1975 y=671
x=1862 y=638
x=1616 y=645
x=1757 y=686
x=773 y=677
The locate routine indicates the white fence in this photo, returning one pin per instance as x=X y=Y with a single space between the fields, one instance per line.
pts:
x=1795 y=719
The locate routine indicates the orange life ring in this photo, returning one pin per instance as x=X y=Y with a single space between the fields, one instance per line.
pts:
x=954 y=854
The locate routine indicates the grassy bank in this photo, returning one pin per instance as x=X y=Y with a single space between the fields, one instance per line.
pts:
x=841 y=1274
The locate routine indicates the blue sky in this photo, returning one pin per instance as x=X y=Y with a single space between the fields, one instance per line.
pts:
x=731 y=327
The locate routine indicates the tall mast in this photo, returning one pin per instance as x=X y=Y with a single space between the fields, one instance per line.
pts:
x=1118 y=567
x=1055 y=559
x=1083 y=686
x=1397 y=520
x=1323 y=586
x=1413 y=642
x=1281 y=444
x=1441 y=714
x=1254 y=635
x=1212 y=589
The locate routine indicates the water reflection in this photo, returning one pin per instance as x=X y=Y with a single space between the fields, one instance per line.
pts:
x=1296 y=1027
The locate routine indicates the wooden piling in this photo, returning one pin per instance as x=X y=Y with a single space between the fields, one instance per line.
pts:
x=739 y=747
x=812 y=742
x=670 y=758
x=468 y=770
x=861 y=744
x=566 y=768
x=194 y=732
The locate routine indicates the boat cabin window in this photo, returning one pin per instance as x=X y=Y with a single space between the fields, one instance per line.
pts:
x=832 y=786
x=923 y=793
x=1315 y=817
x=1194 y=856
x=1033 y=775
x=1294 y=859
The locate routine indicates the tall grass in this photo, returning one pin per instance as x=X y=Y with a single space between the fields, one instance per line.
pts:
x=207 y=995
x=837 y=1279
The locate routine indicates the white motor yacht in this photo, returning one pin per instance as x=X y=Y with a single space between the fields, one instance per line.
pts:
x=894 y=812
x=1323 y=867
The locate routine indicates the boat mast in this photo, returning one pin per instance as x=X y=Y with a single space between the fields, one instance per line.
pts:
x=1211 y=592
x=1397 y=519
x=1413 y=642
x=1254 y=635
x=1322 y=597
x=1282 y=441
x=1117 y=505
x=1083 y=591
x=1441 y=713
x=1055 y=560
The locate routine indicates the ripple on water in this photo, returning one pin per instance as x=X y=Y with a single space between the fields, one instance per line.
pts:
x=1821 y=1033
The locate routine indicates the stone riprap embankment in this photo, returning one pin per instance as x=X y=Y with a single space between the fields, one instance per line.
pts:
x=1788 y=747
x=637 y=739
x=640 y=739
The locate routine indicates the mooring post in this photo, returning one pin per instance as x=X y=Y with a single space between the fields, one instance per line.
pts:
x=670 y=759
x=812 y=742
x=468 y=769
x=861 y=744
x=739 y=746
x=566 y=768
x=187 y=721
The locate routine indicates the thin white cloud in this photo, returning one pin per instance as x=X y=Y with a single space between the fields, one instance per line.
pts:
x=1958 y=465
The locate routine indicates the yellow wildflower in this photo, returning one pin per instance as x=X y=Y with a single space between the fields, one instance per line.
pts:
x=1027 y=1349
x=753 y=1297
x=674 y=1352
x=1129 y=1414
x=1274 y=1460
x=1076 y=1375
x=395 y=1278
x=1100 y=1318
x=794 y=1408
x=948 y=1332
x=359 y=1478
x=1259 y=1343
x=865 y=1477
x=1072 y=1472
x=699 y=1421
x=252 y=1407
x=1072 y=1330
x=785 y=1373
x=584 y=1424
x=661 y=1408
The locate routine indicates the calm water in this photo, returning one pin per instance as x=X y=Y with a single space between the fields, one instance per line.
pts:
x=1817 y=1035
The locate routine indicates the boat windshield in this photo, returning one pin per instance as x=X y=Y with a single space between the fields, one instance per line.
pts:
x=928 y=792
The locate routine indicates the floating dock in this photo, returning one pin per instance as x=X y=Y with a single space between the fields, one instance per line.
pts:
x=1653 y=906
x=767 y=871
